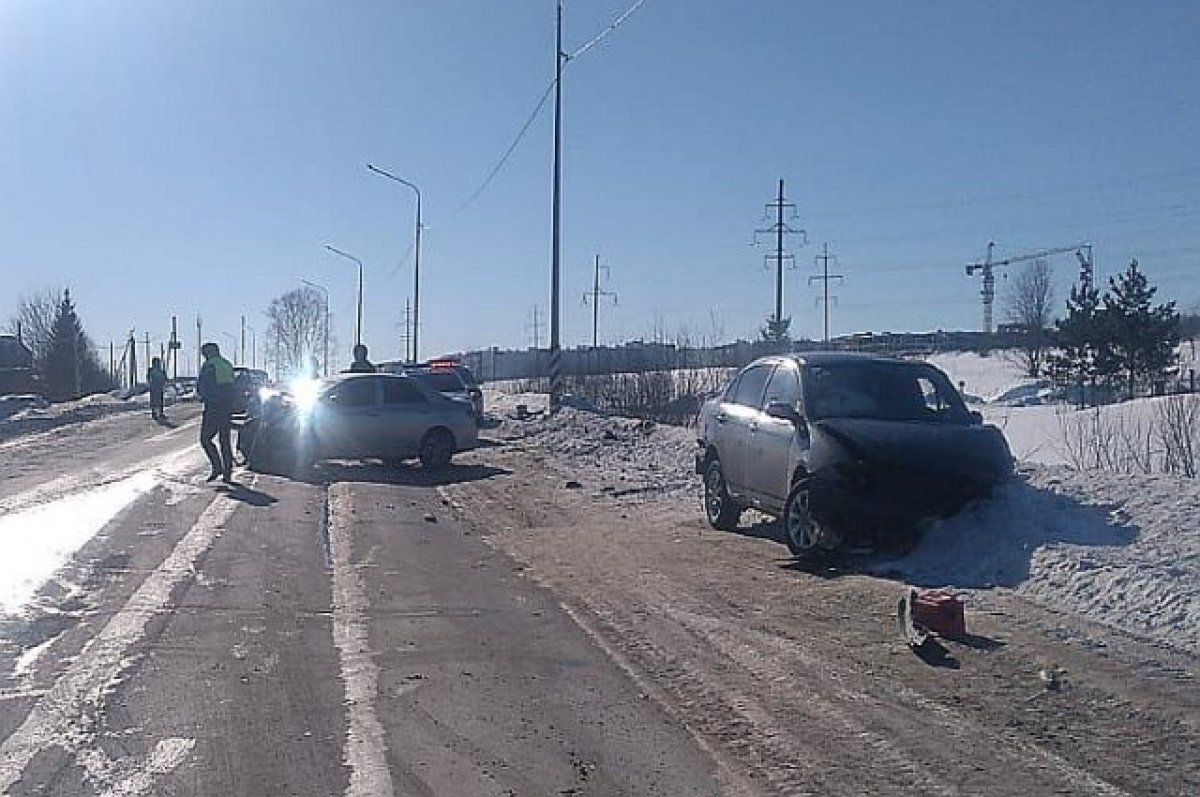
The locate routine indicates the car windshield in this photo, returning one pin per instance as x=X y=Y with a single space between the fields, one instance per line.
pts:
x=882 y=391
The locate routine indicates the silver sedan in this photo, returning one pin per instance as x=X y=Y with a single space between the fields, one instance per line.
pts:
x=360 y=416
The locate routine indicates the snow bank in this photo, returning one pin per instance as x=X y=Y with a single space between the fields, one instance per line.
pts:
x=1117 y=549
x=42 y=418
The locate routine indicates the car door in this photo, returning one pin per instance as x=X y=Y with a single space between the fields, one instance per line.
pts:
x=409 y=415
x=735 y=418
x=351 y=419
x=768 y=462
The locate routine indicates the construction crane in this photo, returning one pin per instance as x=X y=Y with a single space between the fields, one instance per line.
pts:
x=988 y=267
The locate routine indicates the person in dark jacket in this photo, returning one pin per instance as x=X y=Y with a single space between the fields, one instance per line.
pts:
x=361 y=364
x=215 y=388
x=156 y=380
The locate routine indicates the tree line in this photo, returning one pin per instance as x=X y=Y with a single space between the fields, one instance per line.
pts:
x=1117 y=343
x=65 y=361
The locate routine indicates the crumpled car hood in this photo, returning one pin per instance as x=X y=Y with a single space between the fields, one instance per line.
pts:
x=977 y=453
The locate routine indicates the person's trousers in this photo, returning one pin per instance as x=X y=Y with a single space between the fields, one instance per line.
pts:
x=156 y=404
x=217 y=423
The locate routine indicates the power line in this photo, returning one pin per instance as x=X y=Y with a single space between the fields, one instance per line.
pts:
x=605 y=33
x=541 y=103
x=511 y=148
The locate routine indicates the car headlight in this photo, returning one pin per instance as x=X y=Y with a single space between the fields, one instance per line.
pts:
x=305 y=393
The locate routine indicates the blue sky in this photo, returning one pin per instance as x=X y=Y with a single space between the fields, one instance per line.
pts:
x=194 y=158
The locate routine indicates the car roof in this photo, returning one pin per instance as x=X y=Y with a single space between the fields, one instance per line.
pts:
x=825 y=358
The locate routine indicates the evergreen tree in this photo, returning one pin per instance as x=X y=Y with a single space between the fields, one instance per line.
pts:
x=1140 y=338
x=1080 y=340
x=71 y=368
x=777 y=333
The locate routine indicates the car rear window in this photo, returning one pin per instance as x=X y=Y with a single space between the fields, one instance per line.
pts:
x=442 y=381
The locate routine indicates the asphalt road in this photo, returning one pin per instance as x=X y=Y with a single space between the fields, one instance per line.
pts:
x=345 y=635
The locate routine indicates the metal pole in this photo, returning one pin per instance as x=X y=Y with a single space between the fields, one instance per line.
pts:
x=416 y=300
x=243 y=358
x=358 y=323
x=556 y=376
x=417 y=282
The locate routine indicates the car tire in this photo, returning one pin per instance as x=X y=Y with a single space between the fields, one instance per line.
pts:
x=720 y=509
x=437 y=449
x=804 y=537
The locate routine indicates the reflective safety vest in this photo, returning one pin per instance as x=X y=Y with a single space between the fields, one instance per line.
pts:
x=222 y=370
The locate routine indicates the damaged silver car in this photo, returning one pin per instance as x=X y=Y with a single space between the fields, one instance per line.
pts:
x=844 y=449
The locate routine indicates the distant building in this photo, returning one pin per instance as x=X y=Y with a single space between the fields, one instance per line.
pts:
x=14 y=353
x=16 y=367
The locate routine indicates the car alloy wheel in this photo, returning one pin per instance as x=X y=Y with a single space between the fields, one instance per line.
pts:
x=801 y=532
x=719 y=508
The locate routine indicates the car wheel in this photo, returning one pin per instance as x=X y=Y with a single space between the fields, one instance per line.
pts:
x=803 y=535
x=437 y=449
x=719 y=508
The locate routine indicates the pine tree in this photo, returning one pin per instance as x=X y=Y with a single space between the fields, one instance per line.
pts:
x=776 y=332
x=71 y=368
x=1140 y=338
x=1080 y=340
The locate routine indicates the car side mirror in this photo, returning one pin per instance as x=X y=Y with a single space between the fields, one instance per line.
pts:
x=785 y=412
x=976 y=418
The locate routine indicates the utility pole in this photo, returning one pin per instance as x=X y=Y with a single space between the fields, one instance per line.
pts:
x=243 y=359
x=556 y=375
x=596 y=295
x=132 y=360
x=779 y=230
x=112 y=359
x=199 y=343
x=175 y=347
x=824 y=278
x=407 y=336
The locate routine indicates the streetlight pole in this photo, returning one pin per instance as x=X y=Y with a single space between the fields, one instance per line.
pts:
x=358 y=325
x=416 y=258
x=325 y=347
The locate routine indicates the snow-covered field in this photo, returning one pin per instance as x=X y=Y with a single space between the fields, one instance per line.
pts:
x=1118 y=549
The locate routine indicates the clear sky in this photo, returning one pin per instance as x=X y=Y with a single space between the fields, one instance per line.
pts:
x=194 y=158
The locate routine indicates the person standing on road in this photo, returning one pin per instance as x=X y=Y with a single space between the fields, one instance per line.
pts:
x=215 y=388
x=361 y=364
x=156 y=380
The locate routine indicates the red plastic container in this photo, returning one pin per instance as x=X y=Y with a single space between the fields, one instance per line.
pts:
x=941 y=611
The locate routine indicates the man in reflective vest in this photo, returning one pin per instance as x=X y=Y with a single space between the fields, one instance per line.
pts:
x=215 y=387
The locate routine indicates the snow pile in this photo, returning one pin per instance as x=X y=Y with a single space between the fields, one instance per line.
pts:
x=1119 y=550
x=43 y=417
x=605 y=451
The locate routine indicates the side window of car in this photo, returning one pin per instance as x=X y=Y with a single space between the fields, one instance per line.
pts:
x=402 y=391
x=784 y=388
x=353 y=393
x=934 y=400
x=751 y=384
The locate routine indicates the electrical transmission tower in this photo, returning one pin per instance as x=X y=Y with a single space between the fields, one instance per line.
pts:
x=534 y=327
x=824 y=279
x=987 y=268
x=597 y=294
x=779 y=230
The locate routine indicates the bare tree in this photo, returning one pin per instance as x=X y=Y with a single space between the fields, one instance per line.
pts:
x=296 y=329
x=34 y=320
x=1030 y=309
